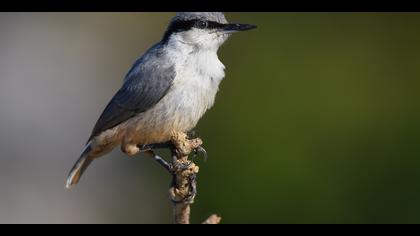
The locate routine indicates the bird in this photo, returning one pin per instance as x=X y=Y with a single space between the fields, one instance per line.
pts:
x=167 y=90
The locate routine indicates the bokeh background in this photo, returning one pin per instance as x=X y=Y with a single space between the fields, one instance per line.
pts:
x=317 y=121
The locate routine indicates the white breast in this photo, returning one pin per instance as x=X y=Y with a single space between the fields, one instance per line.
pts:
x=200 y=73
x=195 y=86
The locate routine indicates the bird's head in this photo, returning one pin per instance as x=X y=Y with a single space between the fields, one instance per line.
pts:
x=203 y=30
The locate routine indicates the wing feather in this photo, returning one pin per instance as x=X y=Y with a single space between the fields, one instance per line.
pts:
x=145 y=84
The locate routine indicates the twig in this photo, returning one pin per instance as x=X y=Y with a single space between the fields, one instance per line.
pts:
x=184 y=186
x=212 y=220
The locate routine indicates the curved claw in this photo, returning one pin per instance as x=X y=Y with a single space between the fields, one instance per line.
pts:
x=201 y=150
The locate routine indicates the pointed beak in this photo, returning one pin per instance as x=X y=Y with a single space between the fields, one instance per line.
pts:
x=232 y=28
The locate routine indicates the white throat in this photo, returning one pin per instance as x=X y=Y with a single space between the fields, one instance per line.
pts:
x=198 y=75
x=201 y=60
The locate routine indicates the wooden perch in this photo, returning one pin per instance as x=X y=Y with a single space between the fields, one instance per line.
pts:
x=184 y=187
x=212 y=220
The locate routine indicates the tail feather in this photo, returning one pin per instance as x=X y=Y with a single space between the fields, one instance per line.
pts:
x=80 y=167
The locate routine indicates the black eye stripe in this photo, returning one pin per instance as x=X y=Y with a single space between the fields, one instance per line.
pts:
x=215 y=25
x=184 y=25
x=178 y=26
x=188 y=24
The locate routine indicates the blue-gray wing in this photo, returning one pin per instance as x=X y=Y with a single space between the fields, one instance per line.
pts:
x=146 y=84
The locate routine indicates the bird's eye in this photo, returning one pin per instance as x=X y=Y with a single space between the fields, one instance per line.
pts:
x=202 y=24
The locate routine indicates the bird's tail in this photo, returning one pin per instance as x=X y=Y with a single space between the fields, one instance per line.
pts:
x=81 y=165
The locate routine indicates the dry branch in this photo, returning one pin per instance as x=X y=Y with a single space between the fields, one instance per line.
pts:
x=183 y=189
x=212 y=220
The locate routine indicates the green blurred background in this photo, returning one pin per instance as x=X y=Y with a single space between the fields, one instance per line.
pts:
x=317 y=120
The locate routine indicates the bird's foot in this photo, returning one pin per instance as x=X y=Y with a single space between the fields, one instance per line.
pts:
x=181 y=144
x=160 y=160
x=184 y=171
x=200 y=150
x=173 y=167
x=184 y=145
x=166 y=145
